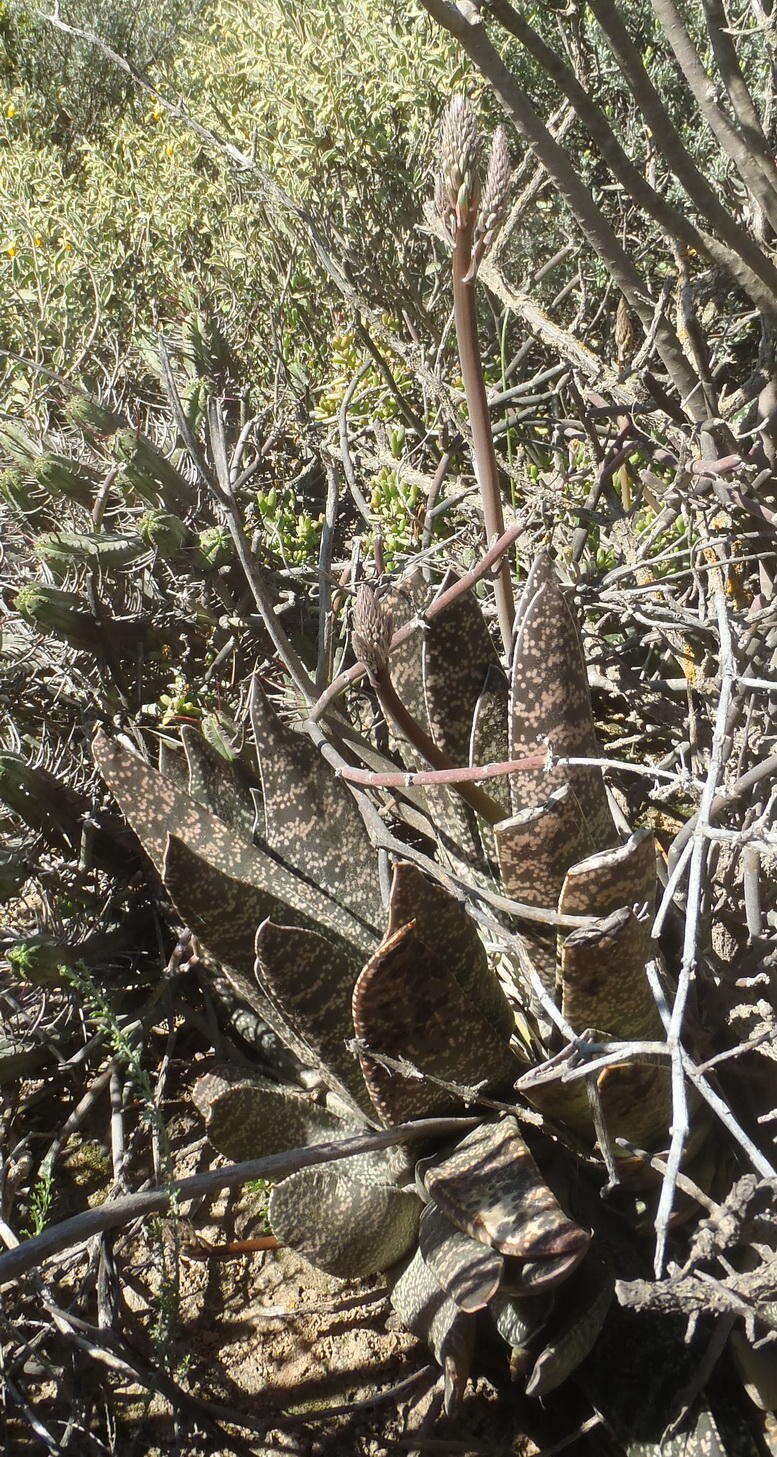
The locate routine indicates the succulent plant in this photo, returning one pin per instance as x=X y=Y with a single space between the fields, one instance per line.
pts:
x=61 y=550
x=67 y=615
x=150 y=473
x=278 y=879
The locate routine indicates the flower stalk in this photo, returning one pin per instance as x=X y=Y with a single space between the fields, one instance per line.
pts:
x=473 y=218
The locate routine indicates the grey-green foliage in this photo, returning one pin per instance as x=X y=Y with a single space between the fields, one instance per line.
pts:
x=77 y=88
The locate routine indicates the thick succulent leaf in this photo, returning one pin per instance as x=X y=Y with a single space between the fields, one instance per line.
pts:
x=313 y=823
x=636 y=1369
x=604 y=980
x=490 y=1186
x=537 y=846
x=172 y=763
x=550 y=704
x=537 y=574
x=581 y=1315
x=637 y=1103
x=489 y=743
x=349 y=1221
x=567 y=1104
x=458 y=659
x=310 y=980
x=407 y=1003
x=155 y=807
x=757 y=1370
x=245 y=1120
x=425 y=1310
x=623 y=876
x=404 y=599
x=219 y=784
x=216 y=1079
x=535 y=849
x=519 y=1318
x=537 y=1276
x=702 y=1438
x=443 y=926
x=224 y=914
x=468 y=1271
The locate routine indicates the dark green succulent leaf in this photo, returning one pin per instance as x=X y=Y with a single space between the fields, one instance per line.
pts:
x=458 y=659
x=605 y=985
x=490 y=1186
x=246 y=1120
x=468 y=1271
x=313 y=823
x=407 y=1003
x=550 y=704
x=57 y=812
x=448 y=933
x=757 y=1368
x=20 y=1057
x=350 y=1221
x=426 y=1311
x=580 y=1317
x=567 y=1104
x=519 y=1318
x=633 y=1375
x=216 y=1078
x=224 y=913
x=535 y=849
x=156 y=807
x=637 y=1103
x=534 y=1277
x=310 y=979
x=404 y=599
x=45 y=804
x=489 y=743
x=702 y=1438
x=604 y=979
x=537 y=846
x=172 y=763
x=221 y=786
x=15 y=869
x=623 y=876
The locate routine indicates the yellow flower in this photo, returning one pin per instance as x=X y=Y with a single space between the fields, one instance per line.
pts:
x=157 y=115
x=38 y=240
x=170 y=149
x=66 y=244
x=10 y=109
x=11 y=250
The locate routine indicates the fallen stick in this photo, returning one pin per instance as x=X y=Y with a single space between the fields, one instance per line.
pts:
x=33 y=1252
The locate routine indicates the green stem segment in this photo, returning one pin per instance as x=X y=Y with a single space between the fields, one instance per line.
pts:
x=410 y=729
x=486 y=468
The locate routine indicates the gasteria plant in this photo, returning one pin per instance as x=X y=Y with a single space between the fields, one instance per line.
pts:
x=278 y=878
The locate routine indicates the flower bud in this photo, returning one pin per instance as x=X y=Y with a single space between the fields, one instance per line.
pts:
x=457 y=188
x=372 y=629
x=493 y=206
